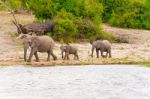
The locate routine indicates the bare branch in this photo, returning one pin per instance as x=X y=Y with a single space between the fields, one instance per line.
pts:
x=13 y=15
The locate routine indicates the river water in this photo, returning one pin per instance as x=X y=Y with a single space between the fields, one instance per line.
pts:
x=75 y=82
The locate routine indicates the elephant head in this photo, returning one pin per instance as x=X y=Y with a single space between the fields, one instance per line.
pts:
x=63 y=49
x=27 y=42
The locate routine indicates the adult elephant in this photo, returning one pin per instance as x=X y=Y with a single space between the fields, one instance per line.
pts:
x=38 y=44
x=38 y=28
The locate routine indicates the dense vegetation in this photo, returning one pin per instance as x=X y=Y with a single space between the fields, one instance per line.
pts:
x=127 y=13
x=81 y=19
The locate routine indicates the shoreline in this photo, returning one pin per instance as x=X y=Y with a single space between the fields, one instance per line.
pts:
x=44 y=63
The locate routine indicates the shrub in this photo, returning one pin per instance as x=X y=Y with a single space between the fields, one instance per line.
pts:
x=75 y=19
x=127 y=13
x=65 y=29
x=147 y=14
x=88 y=31
x=112 y=5
x=93 y=11
x=42 y=9
x=15 y=5
x=132 y=16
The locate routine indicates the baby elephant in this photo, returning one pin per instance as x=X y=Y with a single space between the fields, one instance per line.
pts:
x=102 y=46
x=68 y=49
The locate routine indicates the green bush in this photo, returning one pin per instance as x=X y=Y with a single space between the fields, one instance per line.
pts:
x=131 y=16
x=121 y=13
x=93 y=11
x=147 y=14
x=111 y=6
x=42 y=9
x=65 y=29
x=127 y=13
x=15 y=5
x=75 y=19
x=88 y=31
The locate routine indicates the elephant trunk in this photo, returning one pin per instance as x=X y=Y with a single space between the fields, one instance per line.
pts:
x=26 y=46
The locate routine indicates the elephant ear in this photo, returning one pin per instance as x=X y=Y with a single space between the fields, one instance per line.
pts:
x=91 y=42
x=35 y=42
x=64 y=47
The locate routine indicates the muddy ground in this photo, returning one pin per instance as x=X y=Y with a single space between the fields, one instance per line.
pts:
x=136 y=51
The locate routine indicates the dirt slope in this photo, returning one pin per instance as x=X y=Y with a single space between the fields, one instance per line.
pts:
x=134 y=36
x=11 y=51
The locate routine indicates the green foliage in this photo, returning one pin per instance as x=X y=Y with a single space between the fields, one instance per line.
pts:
x=42 y=9
x=88 y=30
x=147 y=14
x=15 y=5
x=112 y=5
x=127 y=13
x=70 y=17
x=93 y=11
x=122 y=13
x=65 y=29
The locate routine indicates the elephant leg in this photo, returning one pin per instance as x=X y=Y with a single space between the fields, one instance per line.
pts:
x=66 y=55
x=106 y=54
x=31 y=54
x=109 y=53
x=102 y=54
x=48 y=57
x=54 y=56
x=97 y=52
x=36 y=56
x=77 y=56
x=92 y=51
x=26 y=46
x=74 y=56
x=62 y=53
x=25 y=54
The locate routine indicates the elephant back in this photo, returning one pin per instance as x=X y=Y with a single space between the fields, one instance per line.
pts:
x=48 y=41
x=106 y=43
x=100 y=44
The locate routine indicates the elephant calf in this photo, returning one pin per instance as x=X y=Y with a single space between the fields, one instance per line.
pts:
x=68 y=49
x=38 y=44
x=102 y=46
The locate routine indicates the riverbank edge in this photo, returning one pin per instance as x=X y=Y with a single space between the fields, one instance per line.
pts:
x=111 y=61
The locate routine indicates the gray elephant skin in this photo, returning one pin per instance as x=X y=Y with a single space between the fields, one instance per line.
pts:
x=68 y=49
x=38 y=28
x=102 y=46
x=38 y=44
